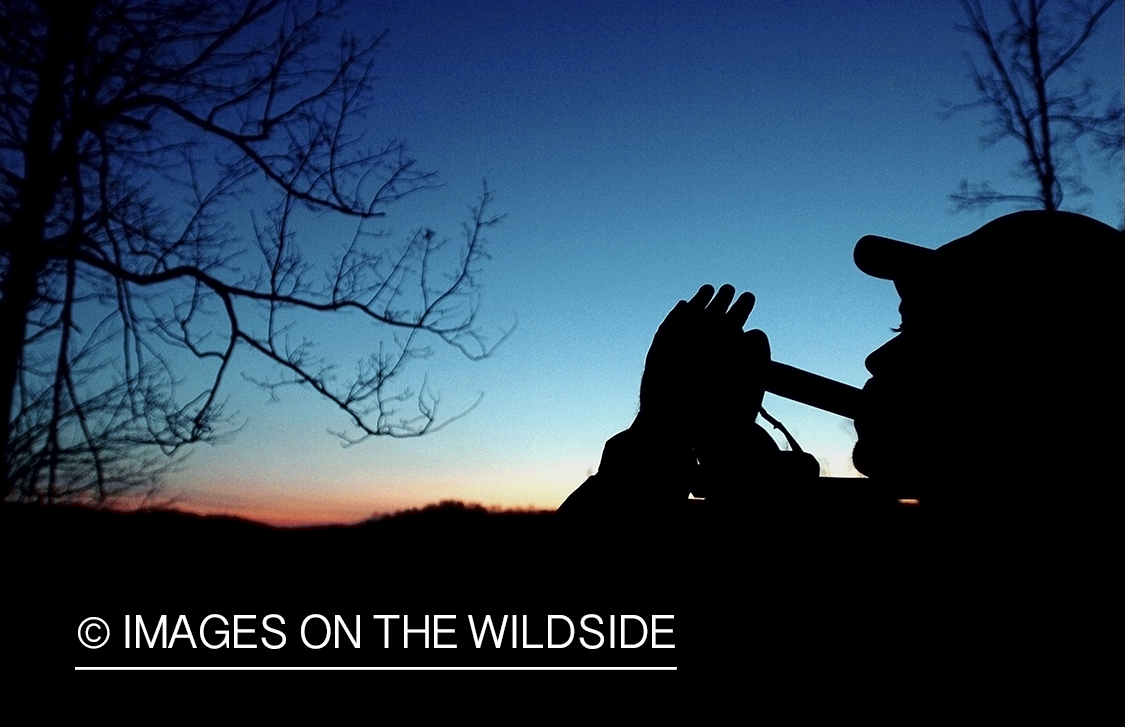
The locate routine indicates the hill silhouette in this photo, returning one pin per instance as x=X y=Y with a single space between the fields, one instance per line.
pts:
x=450 y=558
x=789 y=593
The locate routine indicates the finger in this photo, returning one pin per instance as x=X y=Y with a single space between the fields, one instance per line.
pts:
x=699 y=300
x=721 y=301
x=673 y=318
x=740 y=311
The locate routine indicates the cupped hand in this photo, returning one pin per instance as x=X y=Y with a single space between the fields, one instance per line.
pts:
x=703 y=373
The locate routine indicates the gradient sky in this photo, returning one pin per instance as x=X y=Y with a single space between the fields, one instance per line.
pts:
x=639 y=150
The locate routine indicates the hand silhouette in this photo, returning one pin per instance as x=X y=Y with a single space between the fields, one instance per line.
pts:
x=703 y=372
x=702 y=389
x=695 y=432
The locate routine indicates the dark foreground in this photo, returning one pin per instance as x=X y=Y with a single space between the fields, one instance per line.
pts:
x=891 y=595
x=425 y=571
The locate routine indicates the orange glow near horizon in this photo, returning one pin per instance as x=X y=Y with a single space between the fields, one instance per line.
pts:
x=311 y=510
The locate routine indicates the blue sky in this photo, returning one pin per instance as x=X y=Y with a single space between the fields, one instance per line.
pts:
x=639 y=150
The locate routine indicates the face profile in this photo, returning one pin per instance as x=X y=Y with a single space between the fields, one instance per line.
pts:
x=1002 y=330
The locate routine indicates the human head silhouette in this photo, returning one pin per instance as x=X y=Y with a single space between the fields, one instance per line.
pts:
x=1004 y=363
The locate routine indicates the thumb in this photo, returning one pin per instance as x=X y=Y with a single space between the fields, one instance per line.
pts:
x=756 y=346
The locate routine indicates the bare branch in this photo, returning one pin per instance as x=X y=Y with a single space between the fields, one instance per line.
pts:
x=1027 y=100
x=131 y=133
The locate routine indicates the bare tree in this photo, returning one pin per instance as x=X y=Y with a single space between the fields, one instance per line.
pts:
x=134 y=135
x=1033 y=92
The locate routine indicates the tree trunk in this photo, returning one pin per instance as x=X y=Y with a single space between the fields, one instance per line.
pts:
x=24 y=238
x=19 y=291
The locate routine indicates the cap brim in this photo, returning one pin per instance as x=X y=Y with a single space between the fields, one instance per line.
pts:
x=882 y=257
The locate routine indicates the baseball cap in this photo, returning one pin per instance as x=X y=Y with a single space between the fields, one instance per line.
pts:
x=1022 y=250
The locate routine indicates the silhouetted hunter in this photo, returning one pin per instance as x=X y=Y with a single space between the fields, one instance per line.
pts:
x=1003 y=383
